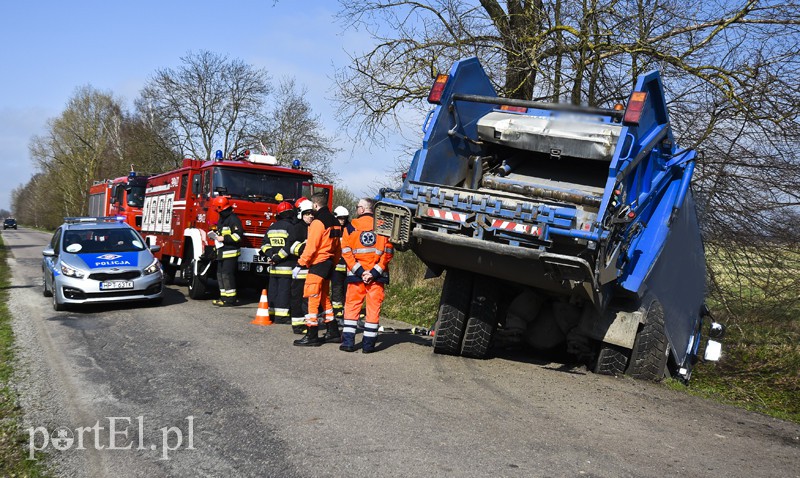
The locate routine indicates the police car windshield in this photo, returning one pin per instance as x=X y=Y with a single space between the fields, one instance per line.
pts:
x=257 y=185
x=102 y=240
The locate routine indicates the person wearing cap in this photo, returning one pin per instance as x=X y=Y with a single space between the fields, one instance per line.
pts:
x=321 y=253
x=299 y=306
x=338 y=287
x=367 y=256
x=227 y=240
x=276 y=250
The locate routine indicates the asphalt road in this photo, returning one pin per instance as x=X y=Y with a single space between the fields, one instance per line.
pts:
x=245 y=402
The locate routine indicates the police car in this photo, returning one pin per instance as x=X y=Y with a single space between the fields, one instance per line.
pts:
x=99 y=259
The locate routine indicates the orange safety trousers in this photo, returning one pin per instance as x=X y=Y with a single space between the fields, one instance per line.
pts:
x=317 y=291
x=356 y=293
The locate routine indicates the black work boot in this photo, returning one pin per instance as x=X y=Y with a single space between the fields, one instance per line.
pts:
x=311 y=339
x=332 y=335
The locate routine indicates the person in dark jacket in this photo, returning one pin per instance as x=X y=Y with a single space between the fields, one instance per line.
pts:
x=338 y=286
x=228 y=239
x=276 y=250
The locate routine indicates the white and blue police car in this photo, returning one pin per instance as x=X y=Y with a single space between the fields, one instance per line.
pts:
x=100 y=259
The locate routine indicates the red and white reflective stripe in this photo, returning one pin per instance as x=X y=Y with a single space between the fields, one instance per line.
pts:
x=447 y=215
x=516 y=227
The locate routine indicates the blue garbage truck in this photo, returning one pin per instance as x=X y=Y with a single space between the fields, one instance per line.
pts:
x=558 y=227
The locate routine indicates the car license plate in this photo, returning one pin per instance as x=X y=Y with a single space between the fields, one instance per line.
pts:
x=116 y=284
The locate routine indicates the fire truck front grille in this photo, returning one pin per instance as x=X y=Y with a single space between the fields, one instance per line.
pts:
x=253 y=235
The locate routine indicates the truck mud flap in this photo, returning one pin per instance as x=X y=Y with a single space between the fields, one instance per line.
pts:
x=556 y=273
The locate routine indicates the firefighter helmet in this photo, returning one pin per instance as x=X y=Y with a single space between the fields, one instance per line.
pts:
x=341 y=211
x=305 y=206
x=221 y=202
x=300 y=201
x=283 y=207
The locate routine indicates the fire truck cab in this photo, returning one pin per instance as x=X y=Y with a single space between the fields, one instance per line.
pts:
x=123 y=196
x=178 y=215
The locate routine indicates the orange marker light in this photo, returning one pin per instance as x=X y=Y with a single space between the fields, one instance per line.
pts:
x=635 y=107
x=435 y=96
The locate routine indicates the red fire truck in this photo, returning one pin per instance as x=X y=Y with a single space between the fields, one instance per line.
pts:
x=178 y=213
x=123 y=196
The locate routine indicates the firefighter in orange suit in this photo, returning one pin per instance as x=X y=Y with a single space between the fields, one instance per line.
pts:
x=322 y=252
x=299 y=306
x=367 y=256
x=228 y=240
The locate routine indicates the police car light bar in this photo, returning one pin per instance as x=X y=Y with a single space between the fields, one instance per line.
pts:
x=89 y=219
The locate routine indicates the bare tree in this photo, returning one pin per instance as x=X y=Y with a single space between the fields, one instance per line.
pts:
x=209 y=103
x=36 y=203
x=149 y=142
x=78 y=146
x=294 y=132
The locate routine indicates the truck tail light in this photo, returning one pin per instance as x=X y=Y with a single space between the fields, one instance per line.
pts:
x=435 y=96
x=635 y=107
x=515 y=109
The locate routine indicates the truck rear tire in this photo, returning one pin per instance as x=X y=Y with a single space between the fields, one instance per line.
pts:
x=650 y=349
x=452 y=317
x=197 y=288
x=611 y=360
x=482 y=320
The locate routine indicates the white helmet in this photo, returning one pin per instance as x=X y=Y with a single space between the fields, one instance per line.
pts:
x=341 y=211
x=305 y=206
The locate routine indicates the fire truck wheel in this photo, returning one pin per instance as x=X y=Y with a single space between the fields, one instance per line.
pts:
x=169 y=274
x=197 y=288
x=482 y=320
x=650 y=349
x=611 y=360
x=453 y=308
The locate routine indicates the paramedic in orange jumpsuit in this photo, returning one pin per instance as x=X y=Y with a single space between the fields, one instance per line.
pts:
x=367 y=256
x=321 y=253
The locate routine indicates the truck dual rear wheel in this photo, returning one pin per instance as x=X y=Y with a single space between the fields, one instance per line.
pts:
x=612 y=360
x=453 y=308
x=650 y=350
x=482 y=319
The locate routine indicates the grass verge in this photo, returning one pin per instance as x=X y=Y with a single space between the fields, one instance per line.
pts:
x=13 y=455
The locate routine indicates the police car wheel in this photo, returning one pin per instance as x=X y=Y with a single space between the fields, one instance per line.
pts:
x=58 y=306
x=45 y=290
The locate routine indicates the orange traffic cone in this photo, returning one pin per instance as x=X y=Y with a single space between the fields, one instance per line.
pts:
x=262 y=316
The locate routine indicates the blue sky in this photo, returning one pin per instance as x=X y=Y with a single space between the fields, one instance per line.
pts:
x=50 y=48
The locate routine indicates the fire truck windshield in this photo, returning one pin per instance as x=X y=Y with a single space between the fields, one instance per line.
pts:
x=136 y=196
x=260 y=185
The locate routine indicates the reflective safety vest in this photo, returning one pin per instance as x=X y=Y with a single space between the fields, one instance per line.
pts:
x=277 y=245
x=363 y=250
x=230 y=228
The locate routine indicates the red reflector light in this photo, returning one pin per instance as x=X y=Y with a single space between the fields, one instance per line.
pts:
x=635 y=107
x=435 y=96
x=515 y=109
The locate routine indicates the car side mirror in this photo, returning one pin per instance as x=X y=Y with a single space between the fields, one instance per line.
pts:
x=49 y=252
x=155 y=248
